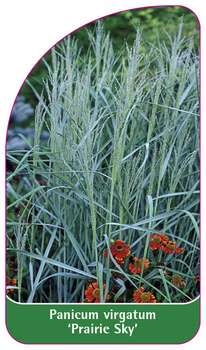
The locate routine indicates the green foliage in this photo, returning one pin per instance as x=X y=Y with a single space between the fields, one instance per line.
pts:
x=121 y=163
x=153 y=23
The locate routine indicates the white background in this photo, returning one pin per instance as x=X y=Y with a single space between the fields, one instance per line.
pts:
x=30 y=28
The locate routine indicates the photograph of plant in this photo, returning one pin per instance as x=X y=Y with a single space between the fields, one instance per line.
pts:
x=102 y=175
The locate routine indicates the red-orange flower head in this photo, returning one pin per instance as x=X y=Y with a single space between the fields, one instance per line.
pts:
x=158 y=240
x=177 y=280
x=196 y=277
x=10 y=283
x=93 y=293
x=171 y=247
x=143 y=297
x=119 y=251
x=136 y=265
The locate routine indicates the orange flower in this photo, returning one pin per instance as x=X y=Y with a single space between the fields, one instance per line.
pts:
x=119 y=251
x=171 y=247
x=143 y=297
x=10 y=282
x=177 y=280
x=158 y=241
x=136 y=266
x=93 y=293
x=196 y=277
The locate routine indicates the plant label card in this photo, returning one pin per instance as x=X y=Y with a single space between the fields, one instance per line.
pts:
x=103 y=185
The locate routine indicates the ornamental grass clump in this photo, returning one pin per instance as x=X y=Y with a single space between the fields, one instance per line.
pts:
x=108 y=209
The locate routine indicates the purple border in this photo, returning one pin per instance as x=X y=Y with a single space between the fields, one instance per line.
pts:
x=132 y=9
